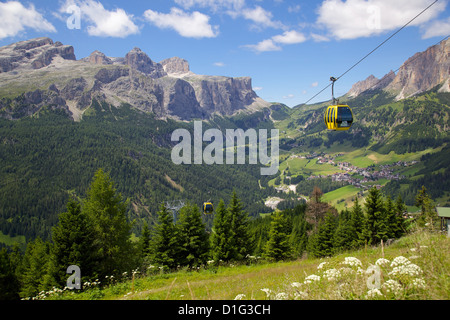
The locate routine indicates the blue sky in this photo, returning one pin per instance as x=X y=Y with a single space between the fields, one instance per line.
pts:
x=289 y=48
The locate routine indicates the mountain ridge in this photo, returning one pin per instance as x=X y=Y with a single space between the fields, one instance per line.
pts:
x=33 y=71
x=421 y=72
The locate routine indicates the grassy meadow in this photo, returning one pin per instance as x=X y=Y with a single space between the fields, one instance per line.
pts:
x=415 y=267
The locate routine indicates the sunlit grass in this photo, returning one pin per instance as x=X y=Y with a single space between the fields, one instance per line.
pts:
x=414 y=267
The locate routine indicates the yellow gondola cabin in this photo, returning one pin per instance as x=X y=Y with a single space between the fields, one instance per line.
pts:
x=338 y=117
x=208 y=208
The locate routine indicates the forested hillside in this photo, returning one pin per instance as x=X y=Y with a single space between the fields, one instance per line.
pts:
x=49 y=157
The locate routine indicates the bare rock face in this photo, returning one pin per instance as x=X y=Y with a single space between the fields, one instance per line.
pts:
x=422 y=72
x=362 y=86
x=175 y=65
x=138 y=60
x=98 y=57
x=47 y=74
x=33 y=54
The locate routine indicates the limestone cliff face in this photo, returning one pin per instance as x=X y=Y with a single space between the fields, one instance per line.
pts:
x=33 y=54
x=38 y=73
x=423 y=71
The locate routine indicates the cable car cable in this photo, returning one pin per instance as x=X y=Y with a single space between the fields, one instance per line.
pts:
x=367 y=55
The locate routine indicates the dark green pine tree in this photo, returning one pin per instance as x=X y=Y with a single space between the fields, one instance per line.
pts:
x=72 y=245
x=376 y=223
x=9 y=285
x=428 y=217
x=240 y=226
x=278 y=246
x=193 y=238
x=391 y=218
x=344 y=233
x=221 y=235
x=164 y=244
x=144 y=241
x=322 y=241
x=400 y=209
x=299 y=237
x=107 y=211
x=33 y=271
x=357 y=222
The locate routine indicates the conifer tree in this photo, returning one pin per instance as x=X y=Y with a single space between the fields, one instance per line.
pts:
x=428 y=216
x=193 y=238
x=222 y=235
x=344 y=233
x=376 y=219
x=400 y=209
x=165 y=245
x=107 y=211
x=241 y=241
x=299 y=238
x=322 y=241
x=9 y=285
x=34 y=268
x=357 y=222
x=278 y=246
x=144 y=241
x=72 y=245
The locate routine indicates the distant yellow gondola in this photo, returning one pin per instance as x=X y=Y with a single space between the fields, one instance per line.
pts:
x=338 y=117
x=208 y=208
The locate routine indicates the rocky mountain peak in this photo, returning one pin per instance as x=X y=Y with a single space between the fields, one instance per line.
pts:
x=175 y=65
x=33 y=54
x=421 y=72
x=139 y=60
x=167 y=89
x=98 y=57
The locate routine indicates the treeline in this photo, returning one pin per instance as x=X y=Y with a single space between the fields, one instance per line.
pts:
x=48 y=158
x=95 y=235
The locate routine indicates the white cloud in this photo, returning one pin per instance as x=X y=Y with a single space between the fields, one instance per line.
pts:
x=257 y=88
x=190 y=25
x=438 y=28
x=264 y=46
x=314 y=84
x=353 y=19
x=261 y=18
x=219 y=64
x=104 y=23
x=294 y=9
x=319 y=38
x=15 y=18
x=289 y=96
x=272 y=44
x=215 y=5
x=290 y=37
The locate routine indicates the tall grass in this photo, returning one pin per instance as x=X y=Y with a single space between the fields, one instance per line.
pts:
x=415 y=267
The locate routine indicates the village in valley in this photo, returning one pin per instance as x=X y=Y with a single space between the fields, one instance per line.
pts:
x=362 y=178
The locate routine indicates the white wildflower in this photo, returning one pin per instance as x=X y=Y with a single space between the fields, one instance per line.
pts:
x=332 y=274
x=400 y=260
x=382 y=262
x=267 y=292
x=320 y=266
x=392 y=286
x=419 y=283
x=300 y=295
x=410 y=269
x=352 y=262
x=373 y=293
x=281 y=296
x=240 y=296
x=296 y=284
x=312 y=278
